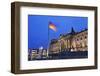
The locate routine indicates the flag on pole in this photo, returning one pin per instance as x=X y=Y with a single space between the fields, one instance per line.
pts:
x=52 y=26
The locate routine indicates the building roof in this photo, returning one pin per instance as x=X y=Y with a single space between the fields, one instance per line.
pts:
x=64 y=35
x=72 y=32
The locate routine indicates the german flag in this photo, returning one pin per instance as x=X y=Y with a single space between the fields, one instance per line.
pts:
x=52 y=26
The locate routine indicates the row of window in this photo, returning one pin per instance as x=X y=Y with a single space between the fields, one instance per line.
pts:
x=81 y=38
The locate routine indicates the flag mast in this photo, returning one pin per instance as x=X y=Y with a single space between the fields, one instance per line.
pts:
x=48 y=41
x=53 y=27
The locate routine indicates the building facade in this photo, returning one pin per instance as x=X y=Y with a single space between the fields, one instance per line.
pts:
x=73 y=41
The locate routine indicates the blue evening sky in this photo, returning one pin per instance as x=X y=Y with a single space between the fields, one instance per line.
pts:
x=38 y=28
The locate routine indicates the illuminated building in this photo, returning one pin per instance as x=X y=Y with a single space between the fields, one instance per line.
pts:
x=73 y=41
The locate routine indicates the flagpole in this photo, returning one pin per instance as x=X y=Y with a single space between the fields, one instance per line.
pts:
x=48 y=41
x=50 y=26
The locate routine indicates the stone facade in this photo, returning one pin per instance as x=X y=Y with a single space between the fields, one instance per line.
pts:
x=73 y=41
